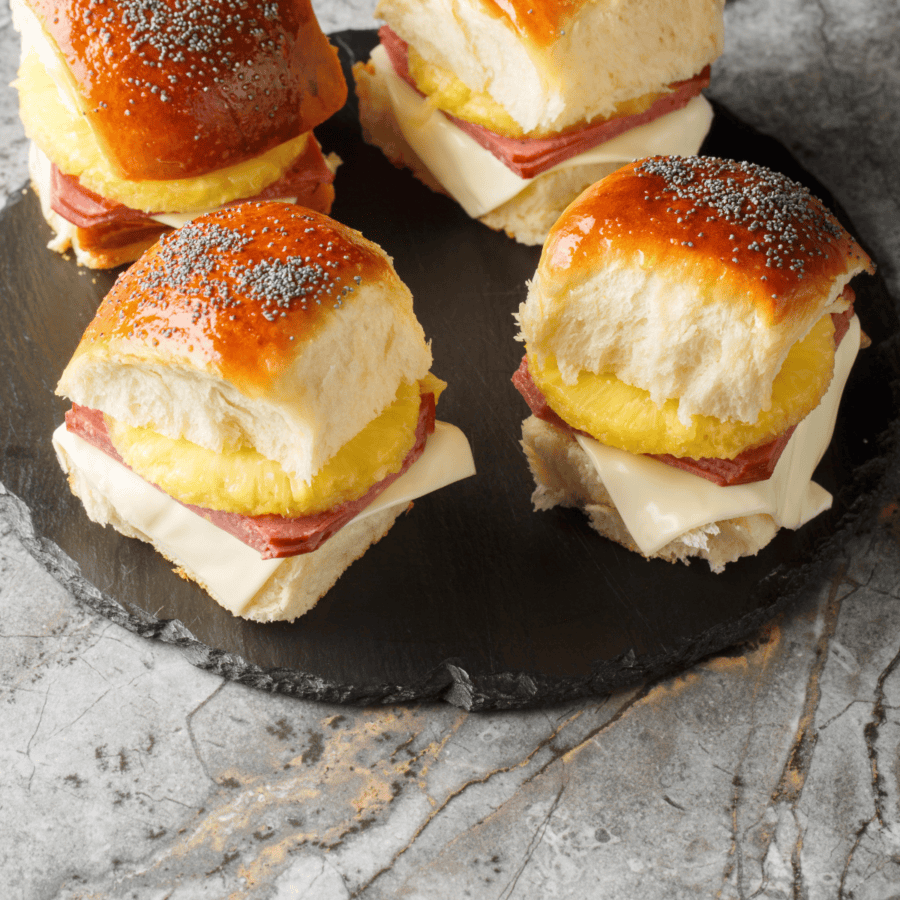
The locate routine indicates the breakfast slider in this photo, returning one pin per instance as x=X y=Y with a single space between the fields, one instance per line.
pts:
x=688 y=334
x=254 y=398
x=145 y=115
x=514 y=108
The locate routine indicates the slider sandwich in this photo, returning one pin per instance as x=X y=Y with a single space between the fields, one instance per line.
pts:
x=688 y=334
x=144 y=115
x=513 y=108
x=253 y=398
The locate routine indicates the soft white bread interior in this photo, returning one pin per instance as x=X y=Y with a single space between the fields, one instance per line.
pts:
x=261 y=325
x=562 y=64
x=565 y=476
x=699 y=293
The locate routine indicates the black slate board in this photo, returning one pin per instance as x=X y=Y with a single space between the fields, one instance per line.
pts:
x=473 y=597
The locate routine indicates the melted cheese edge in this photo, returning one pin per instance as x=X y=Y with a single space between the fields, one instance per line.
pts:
x=659 y=503
x=232 y=572
x=480 y=182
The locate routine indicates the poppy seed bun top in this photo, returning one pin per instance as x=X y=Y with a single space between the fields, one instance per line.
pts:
x=564 y=62
x=689 y=277
x=229 y=79
x=262 y=324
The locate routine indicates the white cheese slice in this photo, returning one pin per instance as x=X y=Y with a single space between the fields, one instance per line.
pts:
x=234 y=572
x=480 y=182
x=176 y=219
x=659 y=503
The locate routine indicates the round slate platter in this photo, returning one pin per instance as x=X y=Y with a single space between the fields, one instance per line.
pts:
x=472 y=597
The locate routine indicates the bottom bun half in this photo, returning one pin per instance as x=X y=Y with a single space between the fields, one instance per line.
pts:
x=565 y=476
x=659 y=510
x=232 y=573
x=525 y=209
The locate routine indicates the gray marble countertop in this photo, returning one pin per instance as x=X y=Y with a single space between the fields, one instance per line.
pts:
x=771 y=771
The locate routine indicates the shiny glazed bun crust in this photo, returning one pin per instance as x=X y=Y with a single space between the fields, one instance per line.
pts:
x=689 y=277
x=229 y=78
x=746 y=234
x=240 y=291
x=261 y=324
x=539 y=22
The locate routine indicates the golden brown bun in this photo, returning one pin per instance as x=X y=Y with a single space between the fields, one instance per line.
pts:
x=749 y=236
x=689 y=277
x=229 y=82
x=262 y=324
x=538 y=22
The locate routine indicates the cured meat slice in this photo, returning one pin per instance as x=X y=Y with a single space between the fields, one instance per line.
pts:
x=529 y=157
x=755 y=464
x=106 y=224
x=274 y=537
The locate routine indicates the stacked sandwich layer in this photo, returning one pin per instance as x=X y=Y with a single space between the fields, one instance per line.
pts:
x=144 y=116
x=688 y=334
x=584 y=87
x=254 y=398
